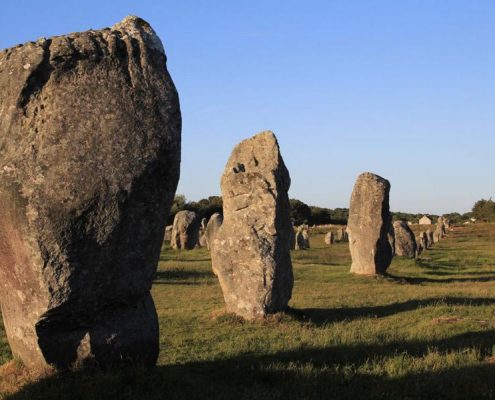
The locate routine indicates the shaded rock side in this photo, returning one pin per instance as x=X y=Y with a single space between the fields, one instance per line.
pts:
x=90 y=136
x=405 y=241
x=369 y=226
x=251 y=250
x=185 y=230
x=329 y=238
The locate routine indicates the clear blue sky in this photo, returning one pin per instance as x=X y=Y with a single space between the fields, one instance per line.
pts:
x=405 y=89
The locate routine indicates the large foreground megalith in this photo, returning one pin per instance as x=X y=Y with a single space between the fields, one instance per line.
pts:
x=89 y=163
x=370 y=225
x=251 y=249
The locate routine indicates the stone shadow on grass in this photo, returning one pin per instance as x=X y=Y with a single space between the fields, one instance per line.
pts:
x=323 y=316
x=414 y=280
x=179 y=276
x=305 y=373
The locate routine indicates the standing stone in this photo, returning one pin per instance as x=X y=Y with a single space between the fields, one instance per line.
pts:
x=436 y=236
x=423 y=240
x=90 y=132
x=168 y=233
x=305 y=235
x=405 y=242
x=300 y=241
x=429 y=236
x=419 y=247
x=202 y=233
x=329 y=238
x=251 y=250
x=212 y=228
x=369 y=226
x=185 y=232
x=341 y=235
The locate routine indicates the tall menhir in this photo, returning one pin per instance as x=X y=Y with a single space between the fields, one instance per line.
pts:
x=90 y=136
x=371 y=236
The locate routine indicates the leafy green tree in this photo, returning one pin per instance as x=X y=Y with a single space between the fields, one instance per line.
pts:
x=484 y=210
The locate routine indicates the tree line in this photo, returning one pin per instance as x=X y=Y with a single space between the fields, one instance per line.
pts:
x=302 y=213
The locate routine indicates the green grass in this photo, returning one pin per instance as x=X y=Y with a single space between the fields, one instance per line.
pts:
x=426 y=330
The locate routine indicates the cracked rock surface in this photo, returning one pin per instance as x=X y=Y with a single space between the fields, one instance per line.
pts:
x=89 y=163
x=251 y=249
x=371 y=235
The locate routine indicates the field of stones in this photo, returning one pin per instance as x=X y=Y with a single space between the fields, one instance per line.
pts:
x=243 y=305
x=423 y=330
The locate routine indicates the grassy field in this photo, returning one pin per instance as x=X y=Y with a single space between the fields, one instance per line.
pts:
x=424 y=331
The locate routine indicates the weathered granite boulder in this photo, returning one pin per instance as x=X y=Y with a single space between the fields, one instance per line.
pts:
x=405 y=242
x=329 y=238
x=251 y=250
x=90 y=136
x=185 y=231
x=369 y=225
x=214 y=224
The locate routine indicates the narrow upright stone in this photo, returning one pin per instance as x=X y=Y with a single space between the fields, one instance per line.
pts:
x=405 y=242
x=214 y=224
x=90 y=133
x=251 y=250
x=424 y=240
x=369 y=226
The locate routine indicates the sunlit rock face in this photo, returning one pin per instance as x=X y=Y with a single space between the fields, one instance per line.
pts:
x=371 y=236
x=251 y=249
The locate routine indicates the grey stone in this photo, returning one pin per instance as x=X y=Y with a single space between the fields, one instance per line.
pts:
x=90 y=154
x=429 y=237
x=423 y=239
x=168 y=233
x=185 y=231
x=214 y=223
x=203 y=242
x=369 y=226
x=405 y=242
x=251 y=250
x=329 y=238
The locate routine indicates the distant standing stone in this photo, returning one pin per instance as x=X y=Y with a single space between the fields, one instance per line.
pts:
x=185 y=231
x=251 y=250
x=202 y=233
x=329 y=238
x=168 y=233
x=370 y=225
x=423 y=240
x=212 y=228
x=429 y=236
x=300 y=242
x=305 y=235
x=405 y=242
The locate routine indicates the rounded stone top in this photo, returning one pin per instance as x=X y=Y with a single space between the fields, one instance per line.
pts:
x=138 y=28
